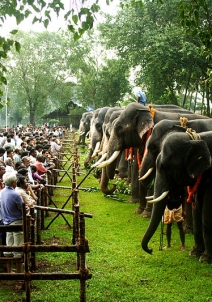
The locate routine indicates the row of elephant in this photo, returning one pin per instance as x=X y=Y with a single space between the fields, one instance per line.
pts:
x=166 y=157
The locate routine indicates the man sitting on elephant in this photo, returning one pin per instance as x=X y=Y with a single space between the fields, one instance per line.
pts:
x=140 y=96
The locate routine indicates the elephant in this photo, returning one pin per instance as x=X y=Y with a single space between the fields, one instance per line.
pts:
x=84 y=127
x=153 y=147
x=184 y=161
x=130 y=130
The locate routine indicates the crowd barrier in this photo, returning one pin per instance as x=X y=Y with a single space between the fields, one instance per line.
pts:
x=34 y=223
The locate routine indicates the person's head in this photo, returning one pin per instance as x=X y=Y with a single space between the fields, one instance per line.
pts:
x=40 y=158
x=18 y=165
x=26 y=161
x=18 y=150
x=24 y=154
x=2 y=151
x=10 y=153
x=2 y=170
x=45 y=153
x=10 y=179
x=23 y=171
x=33 y=152
x=33 y=168
x=21 y=182
x=9 y=161
x=39 y=148
x=23 y=145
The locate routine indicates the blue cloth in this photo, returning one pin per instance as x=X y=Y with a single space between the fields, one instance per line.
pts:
x=142 y=96
x=11 y=205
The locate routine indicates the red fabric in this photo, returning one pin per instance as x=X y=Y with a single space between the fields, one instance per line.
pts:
x=192 y=190
x=40 y=168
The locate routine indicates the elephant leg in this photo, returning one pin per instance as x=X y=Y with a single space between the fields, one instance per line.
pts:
x=188 y=224
x=135 y=192
x=207 y=224
x=199 y=247
x=129 y=172
x=148 y=209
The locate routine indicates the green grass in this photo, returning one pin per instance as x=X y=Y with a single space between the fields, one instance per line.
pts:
x=121 y=270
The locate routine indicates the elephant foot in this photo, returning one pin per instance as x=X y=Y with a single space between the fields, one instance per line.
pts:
x=195 y=252
x=146 y=214
x=133 y=200
x=139 y=211
x=205 y=259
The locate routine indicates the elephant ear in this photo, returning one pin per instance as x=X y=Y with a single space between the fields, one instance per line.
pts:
x=198 y=158
x=143 y=121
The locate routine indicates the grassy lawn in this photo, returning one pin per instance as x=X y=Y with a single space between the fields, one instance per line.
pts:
x=121 y=270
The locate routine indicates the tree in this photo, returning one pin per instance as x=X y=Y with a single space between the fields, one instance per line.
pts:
x=80 y=17
x=40 y=73
x=151 y=39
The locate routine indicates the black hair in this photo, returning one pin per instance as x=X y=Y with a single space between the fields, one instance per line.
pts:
x=20 y=180
x=33 y=168
x=22 y=171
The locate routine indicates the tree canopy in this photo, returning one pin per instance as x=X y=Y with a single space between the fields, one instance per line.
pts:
x=164 y=46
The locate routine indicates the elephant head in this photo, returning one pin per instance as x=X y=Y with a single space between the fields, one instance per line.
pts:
x=180 y=161
x=128 y=131
x=84 y=127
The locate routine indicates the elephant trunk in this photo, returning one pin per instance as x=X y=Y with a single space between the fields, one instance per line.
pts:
x=104 y=183
x=157 y=213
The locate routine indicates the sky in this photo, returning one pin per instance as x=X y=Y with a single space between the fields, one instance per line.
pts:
x=57 y=22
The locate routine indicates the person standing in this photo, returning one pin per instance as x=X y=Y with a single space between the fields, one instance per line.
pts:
x=11 y=207
x=2 y=172
x=174 y=212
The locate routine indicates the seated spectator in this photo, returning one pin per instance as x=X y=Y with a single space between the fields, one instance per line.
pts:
x=11 y=207
x=55 y=148
x=32 y=156
x=2 y=235
x=17 y=154
x=23 y=188
x=2 y=152
x=8 y=153
x=36 y=176
x=9 y=144
x=24 y=172
x=40 y=166
x=9 y=165
x=48 y=163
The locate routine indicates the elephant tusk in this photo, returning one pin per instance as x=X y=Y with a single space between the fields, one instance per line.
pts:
x=96 y=150
x=162 y=196
x=82 y=133
x=110 y=160
x=147 y=174
x=99 y=161
x=149 y=197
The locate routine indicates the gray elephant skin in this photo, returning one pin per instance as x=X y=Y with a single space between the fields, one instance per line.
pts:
x=130 y=130
x=180 y=161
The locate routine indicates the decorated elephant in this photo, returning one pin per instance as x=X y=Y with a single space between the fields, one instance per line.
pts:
x=185 y=160
x=131 y=129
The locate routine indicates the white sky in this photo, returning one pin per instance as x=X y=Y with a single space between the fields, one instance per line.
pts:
x=57 y=22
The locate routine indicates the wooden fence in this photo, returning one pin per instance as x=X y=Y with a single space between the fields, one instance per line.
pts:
x=33 y=224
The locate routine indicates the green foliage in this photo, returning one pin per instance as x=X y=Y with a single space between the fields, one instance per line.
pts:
x=122 y=187
x=167 y=61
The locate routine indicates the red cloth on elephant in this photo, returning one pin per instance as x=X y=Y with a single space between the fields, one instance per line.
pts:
x=192 y=190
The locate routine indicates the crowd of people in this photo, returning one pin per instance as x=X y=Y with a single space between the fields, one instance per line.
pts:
x=27 y=154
